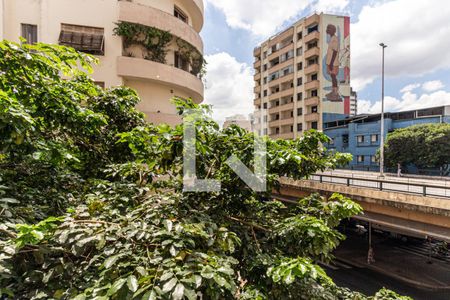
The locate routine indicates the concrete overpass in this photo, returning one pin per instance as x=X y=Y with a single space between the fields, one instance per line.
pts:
x=417 y=207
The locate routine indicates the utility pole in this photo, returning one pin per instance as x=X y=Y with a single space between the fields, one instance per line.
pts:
x=383 y=46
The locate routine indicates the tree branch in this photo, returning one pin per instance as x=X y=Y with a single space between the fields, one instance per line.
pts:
x=259 y=227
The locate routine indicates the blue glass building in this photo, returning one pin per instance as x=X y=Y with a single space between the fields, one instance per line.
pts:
x=360 y=135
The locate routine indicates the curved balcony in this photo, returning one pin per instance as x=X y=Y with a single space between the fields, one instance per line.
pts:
x=194 y=8
x=138 y=68
x=197 y=11
x=149 y=16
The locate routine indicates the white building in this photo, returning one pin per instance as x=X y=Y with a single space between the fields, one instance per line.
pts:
x=88 y=25
x=240 y=120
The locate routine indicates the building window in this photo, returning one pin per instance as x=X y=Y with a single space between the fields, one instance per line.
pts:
x=265 y=131
x=299 y=81
x=374 y=138
x=264 y=54
x=292 y=128
x=265 y=80
x=314 y=125
x=314 y=109
x=29 y=32
x=299 y=51
x=314 y=93
x=360 y=159
x=265 y=67
x=299 y=111
x=299 y=66
x=313 y=77
x=299 y=126
x=83 y=38
x=181 y=62
x=178 y=13
x=265 y=105
x=373 y=159
x=265 y=93
x=345 y=139
x=292 y=113
x=265 y=119
x=299 y=96
x=360 y=139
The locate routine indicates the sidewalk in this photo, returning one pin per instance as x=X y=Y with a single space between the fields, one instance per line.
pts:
x=397 y=263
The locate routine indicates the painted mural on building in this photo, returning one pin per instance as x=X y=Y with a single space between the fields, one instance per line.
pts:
x=336 y=67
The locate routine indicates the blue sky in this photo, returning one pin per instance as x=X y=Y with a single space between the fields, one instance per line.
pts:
x=417 y=58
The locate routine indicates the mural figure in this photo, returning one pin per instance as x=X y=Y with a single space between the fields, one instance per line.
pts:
x=332 y=62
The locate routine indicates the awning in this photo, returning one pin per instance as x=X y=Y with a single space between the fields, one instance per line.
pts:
x=84 y=42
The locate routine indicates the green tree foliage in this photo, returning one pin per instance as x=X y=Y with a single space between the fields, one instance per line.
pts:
x=91 y=201
x=425 y=146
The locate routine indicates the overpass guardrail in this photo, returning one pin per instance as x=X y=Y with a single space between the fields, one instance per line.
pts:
x=424 y=189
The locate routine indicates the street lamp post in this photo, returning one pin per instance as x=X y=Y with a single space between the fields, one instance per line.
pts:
x=383 y=46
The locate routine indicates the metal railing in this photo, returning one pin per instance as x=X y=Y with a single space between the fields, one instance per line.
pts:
x=424 y=189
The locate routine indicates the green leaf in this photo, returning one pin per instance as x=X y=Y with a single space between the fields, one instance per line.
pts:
x=117 y=285
x=150 y=295
x=168 y=286
x=80 y=297
x=178 y=292
x=110 y=261
x=132 y=283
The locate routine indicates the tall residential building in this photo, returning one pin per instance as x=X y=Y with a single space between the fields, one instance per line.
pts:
x=152 y=46
x=302 y=77
x=353 y=103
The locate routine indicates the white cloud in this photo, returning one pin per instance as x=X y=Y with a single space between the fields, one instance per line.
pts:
x=416 y=33
x=408 y=101
x=410 y=87
x=265 y=17
x=229 y=86
x=261 y=17
x=431 y=86
x=331 y=6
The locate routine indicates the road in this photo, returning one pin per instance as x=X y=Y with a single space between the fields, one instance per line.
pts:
x=435 y=187
x=401 y=265
x=369 y=282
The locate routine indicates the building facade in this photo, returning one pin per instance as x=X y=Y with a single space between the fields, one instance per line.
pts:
x=302 y=77
x=360 y=135
x=93 y=26
x=239 y=120
x=353 y=103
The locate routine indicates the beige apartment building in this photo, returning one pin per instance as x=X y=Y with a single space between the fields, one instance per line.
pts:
x=239 y=120
x=302 y=77
x=89 y=25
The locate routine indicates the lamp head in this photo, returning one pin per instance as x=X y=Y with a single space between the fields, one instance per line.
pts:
x=383 y=45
